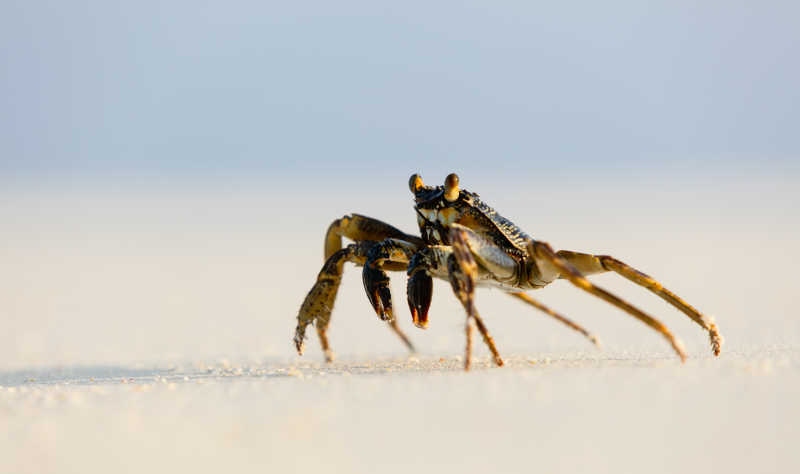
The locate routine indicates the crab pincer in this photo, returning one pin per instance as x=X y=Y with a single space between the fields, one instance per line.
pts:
x=376 y=284
x=420 y=292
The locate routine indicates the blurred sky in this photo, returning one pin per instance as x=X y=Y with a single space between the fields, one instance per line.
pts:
x=100 y=92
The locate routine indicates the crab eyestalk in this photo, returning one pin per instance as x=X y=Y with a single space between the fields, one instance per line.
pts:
x=415 y=182
x=451 y=187
x=420 y=292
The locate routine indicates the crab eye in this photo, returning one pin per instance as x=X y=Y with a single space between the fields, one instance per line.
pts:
x=451 y=187
x=415 y=182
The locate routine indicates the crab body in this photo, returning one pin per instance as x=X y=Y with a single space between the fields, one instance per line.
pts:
x=466 y=242
x=503 y=252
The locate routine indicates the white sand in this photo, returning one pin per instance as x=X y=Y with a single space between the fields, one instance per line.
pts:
x=574 y=413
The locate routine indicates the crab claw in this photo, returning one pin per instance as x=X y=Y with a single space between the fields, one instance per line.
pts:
x=376 y=284
x=420 y=291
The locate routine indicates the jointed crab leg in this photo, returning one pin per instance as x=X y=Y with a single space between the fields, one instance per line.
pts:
x=357 y=227
x=468 y=326
x=568 y=271
x=318 y=304
x=589 y=264
x=541 y=307
x=487 y=339
x=402 y=335
x=462 y=272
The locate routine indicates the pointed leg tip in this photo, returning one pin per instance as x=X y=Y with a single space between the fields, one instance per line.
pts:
x=329 y=356
x=406 y=341
x=678 y=346
x=716 y=340
x=411 y=349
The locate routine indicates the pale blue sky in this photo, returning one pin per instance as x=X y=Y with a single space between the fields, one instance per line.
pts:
x=107 y=91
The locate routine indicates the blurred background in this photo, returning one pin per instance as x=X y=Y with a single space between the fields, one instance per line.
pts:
x=168 y=171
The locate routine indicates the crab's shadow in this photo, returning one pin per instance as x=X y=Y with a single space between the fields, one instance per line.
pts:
x=304 y=369
x=76 y=374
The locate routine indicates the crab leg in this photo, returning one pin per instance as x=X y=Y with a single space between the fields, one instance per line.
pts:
x=357 y=227
x=468 y=348
x=568 y=271
x=589 y=264
x=463 y=270
x=318 y=303
x=563 y=319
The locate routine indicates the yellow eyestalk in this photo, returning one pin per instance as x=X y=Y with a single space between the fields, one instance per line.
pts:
x=415 y=182
x=451 y=187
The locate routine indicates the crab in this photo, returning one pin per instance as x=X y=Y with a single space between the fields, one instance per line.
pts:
x=467 y=243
